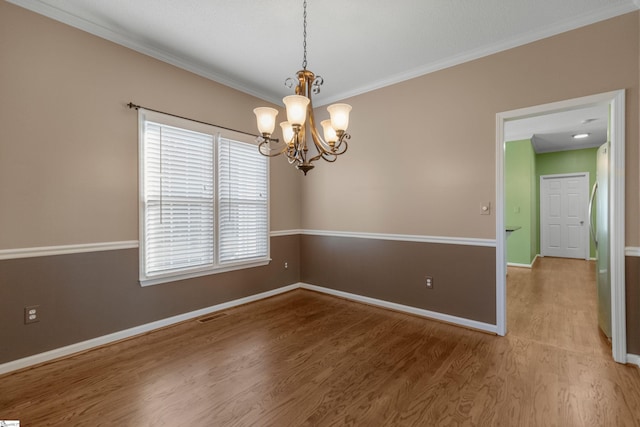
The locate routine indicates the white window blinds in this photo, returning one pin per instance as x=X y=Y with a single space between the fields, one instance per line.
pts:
x=178 y=199
x=242 y=206
x=204 y=200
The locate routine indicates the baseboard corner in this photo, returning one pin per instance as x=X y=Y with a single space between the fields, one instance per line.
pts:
x=634 y=359
x=447 y=318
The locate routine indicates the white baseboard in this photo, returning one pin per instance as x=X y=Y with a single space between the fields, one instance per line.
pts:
x=633 y=358
x=460 y=321
x=515 y=264
x=128 y=333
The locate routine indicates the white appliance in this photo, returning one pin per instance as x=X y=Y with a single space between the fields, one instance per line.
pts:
x=599 y=226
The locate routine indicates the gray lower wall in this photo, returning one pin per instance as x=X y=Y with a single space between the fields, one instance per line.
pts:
x=632 y=295
x=464 y=276
x=84 y=296
x=87 y=295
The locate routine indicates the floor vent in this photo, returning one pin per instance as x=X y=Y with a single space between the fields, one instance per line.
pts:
x=212 y=317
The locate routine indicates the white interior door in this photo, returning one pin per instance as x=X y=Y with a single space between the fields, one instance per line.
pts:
x=564 y=224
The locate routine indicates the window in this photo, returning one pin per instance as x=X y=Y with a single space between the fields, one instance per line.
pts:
x=203 y=200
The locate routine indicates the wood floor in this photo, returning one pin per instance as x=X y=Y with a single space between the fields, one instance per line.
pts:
x=306 y=359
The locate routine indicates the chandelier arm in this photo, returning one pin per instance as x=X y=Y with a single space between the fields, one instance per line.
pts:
x=265 y=150
x=342 y=142
x=320 y=144
x=333 y=156
x=297 y=151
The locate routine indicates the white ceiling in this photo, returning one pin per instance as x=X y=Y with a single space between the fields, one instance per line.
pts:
x=554 y=132
x=355 y=45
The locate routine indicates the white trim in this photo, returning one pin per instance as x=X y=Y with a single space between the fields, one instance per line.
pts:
x=515 y=264
x=501 y=237
x=128 y=333
x=467 y=241
x=633 y=358
x=459 y=321
x=617 y=226
x=133 y=244
x=632 y=250
x=280 y=233
x=616 y=101
x=66 y=249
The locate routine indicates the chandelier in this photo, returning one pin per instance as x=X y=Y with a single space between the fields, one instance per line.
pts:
x=300 y=121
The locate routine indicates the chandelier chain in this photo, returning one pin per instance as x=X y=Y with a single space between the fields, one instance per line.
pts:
x=304 y=35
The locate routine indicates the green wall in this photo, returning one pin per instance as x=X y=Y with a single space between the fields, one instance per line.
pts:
x=523 y=168
x=521 y=202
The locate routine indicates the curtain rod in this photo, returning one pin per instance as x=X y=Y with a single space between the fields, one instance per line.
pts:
x=132 y=105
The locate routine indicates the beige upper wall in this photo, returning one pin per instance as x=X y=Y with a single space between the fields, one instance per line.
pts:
x=68 y=144
x=422 y=152
x=421 y=159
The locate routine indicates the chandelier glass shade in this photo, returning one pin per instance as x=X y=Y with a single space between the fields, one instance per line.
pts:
x=301 y=122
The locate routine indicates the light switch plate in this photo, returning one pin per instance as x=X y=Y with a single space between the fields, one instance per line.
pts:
x=485 y=208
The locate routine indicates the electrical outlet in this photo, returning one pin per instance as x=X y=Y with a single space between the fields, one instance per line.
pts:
x=31 y=314
x=428 y=281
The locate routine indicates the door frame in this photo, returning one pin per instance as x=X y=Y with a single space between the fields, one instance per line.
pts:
x=616 y=101
x=585 y=231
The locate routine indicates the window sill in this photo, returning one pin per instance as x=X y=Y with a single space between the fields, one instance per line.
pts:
x=174 y=277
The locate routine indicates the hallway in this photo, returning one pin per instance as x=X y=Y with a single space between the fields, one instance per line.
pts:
x=555 y=303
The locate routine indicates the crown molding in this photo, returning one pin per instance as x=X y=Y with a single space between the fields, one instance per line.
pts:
x=138 y=45
x=575 y=22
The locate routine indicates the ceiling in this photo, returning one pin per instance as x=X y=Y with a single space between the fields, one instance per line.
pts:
x=554 y=132
x=355 y=45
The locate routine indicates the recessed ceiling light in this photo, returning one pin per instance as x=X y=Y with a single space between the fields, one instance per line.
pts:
x=581 y=135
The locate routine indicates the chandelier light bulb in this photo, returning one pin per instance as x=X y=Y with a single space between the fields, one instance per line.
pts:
x=330 y=134
x=339 y=116
x=287 y=132
x=266 y=118
x=296 y=109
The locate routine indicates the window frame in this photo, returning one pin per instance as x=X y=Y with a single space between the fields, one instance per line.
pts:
x=217 y=267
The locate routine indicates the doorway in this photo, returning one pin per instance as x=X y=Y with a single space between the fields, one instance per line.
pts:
x=615 y=102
